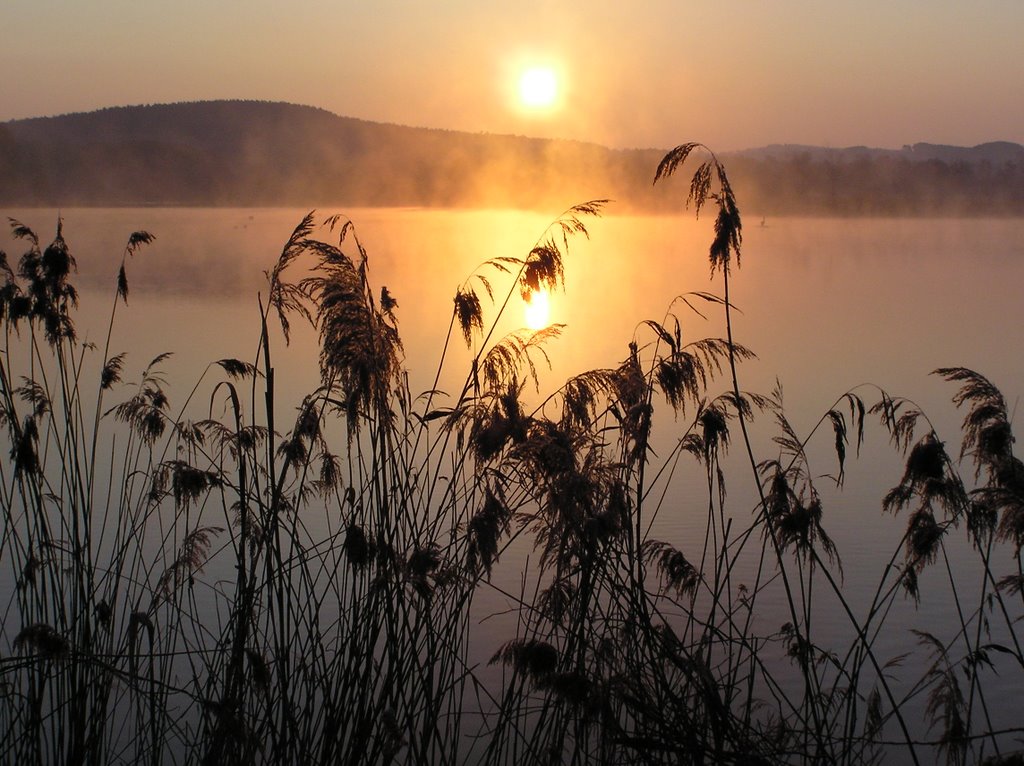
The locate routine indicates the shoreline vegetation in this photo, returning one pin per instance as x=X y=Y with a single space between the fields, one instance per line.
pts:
x=254 y=154
x=169 y=602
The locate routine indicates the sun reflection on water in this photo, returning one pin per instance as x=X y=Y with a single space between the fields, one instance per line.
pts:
x=538 y=310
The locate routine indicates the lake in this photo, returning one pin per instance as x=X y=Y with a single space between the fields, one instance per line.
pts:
x=825 y=303
x=828 y=305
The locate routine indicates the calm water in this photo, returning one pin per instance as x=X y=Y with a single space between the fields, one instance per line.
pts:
x=826 y=304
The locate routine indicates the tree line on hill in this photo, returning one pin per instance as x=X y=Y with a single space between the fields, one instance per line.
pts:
x=258 y=153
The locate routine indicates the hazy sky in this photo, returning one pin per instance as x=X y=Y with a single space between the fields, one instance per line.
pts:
x=876 y=72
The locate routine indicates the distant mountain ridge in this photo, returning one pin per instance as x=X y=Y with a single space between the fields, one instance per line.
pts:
x=251 y=152
x=992 y=151
x=272 y=153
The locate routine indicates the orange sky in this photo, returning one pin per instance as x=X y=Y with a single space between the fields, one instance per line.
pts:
x=746 y=74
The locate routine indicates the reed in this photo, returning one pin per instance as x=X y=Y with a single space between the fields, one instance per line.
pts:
x=171 y=599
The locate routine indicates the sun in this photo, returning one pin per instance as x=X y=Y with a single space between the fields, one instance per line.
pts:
x=538 y=87
x=538 y=310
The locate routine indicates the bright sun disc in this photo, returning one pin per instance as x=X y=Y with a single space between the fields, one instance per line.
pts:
x=538 y=311
x=538 y=87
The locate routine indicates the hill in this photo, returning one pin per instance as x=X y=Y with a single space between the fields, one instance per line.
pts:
x=260 y=153
x=257 y=153
x=994 y=152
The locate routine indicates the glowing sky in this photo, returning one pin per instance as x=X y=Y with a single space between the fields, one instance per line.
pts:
x=880 y=73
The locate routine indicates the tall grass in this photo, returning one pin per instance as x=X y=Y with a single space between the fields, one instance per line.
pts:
x=174 y=596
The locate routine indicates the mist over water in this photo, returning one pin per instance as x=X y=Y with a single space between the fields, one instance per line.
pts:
x=826 y=304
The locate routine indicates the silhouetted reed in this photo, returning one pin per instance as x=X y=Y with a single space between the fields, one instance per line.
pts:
x=170 y=599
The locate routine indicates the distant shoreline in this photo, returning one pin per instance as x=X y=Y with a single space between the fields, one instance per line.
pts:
x=750 y=216
x=261 y=154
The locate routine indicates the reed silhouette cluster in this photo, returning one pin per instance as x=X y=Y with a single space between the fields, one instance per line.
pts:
x=172 y=600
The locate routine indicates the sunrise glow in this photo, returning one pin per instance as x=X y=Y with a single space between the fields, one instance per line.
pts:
x=453 y=488
x=538 y=88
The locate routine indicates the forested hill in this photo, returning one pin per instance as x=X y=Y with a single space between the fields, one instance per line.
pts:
x=258 y=153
